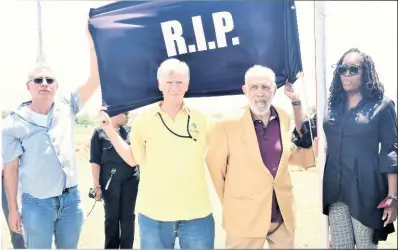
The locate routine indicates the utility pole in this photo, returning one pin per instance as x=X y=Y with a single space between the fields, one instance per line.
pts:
x=321 y=97
x=40 y=53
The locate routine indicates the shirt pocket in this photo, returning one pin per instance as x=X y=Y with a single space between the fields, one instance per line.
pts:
x=108 y=152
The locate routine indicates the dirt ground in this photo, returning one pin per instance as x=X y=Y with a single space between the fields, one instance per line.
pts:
x=306 y=190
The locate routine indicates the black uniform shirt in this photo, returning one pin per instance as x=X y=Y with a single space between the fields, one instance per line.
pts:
x=102 y=151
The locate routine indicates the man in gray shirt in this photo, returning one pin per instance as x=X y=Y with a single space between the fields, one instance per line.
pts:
x=38 y=144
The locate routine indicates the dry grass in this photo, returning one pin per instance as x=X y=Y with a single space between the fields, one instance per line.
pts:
x=306 y=190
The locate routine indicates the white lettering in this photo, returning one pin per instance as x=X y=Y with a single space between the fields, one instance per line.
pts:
x=235 y=40
x=199 y=33
x=212 y=45
x=191 y=48
x=219 y=19
x=172 y=32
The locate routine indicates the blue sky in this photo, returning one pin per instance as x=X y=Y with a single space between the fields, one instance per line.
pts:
x=369 y=26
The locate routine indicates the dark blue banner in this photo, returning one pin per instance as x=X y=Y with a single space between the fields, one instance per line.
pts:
x=218 y=40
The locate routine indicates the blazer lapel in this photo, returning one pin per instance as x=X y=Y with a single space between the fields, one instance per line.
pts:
x=285 y=140
x=249 y=139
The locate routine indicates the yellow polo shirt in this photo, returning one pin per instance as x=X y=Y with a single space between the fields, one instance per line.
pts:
x=172 y=169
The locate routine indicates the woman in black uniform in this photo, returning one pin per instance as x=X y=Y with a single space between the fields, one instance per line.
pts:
x=117 y=184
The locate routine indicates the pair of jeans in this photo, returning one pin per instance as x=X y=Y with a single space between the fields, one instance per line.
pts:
x=192 y=234
x=61 y=216
x=17 y=240
x=119 y=205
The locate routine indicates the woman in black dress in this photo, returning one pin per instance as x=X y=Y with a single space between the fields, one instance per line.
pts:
x=361 y=159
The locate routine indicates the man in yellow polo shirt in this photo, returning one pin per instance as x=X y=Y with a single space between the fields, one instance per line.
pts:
x=168 y=142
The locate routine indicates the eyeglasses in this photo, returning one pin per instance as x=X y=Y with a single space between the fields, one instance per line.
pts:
x=40 y=80
x=353 y=69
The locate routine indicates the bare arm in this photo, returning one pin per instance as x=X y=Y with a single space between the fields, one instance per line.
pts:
x=298 y=113
x=137 y=140
x=86 y=90
x=297 y=107
x=392 y=184
x=122 y=148
x=95 y=168
x=95 y=156
x=11 y=183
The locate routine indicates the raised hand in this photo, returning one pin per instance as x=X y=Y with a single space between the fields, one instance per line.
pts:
x=291 y=93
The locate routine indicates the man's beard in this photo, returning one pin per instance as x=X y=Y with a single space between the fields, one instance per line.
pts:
x=262 y=110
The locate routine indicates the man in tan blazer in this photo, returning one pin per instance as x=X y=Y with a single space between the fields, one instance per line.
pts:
x=248 y=160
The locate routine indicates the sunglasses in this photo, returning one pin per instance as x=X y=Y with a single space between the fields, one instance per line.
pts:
x=353 y=69
x=40 y=80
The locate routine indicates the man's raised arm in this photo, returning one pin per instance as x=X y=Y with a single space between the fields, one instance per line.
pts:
x=86 y=90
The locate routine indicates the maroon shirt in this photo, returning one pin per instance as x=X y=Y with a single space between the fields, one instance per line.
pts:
x=269 y=142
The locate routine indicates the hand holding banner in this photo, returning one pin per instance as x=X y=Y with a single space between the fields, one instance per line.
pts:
x=219 y=41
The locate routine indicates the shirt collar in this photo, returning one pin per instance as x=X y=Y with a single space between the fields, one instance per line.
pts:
x=24 y=115
x=274 y=115
x=157 y=108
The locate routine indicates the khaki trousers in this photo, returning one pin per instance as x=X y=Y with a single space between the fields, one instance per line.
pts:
x=280 y=239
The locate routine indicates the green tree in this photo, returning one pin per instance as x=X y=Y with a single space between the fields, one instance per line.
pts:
x=312 y=110
x=84 y=120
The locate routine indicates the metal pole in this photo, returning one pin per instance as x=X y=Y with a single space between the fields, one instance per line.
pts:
x=321 y=97
x=40 y=54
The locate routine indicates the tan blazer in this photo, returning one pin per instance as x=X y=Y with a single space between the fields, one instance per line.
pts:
x=242 y=181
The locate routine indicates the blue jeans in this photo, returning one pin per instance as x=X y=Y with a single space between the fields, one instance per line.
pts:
x=61 y=216
x=192 y=234
x=17 y=240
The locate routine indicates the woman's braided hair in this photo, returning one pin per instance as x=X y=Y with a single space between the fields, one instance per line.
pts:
x=371 y=87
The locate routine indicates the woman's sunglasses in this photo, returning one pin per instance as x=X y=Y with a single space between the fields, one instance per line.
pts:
x=353 y=69
x=40 y=80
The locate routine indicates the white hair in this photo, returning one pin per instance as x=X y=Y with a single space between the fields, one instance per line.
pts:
x=38 y=67
x=259 y=71
x=172 y=66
